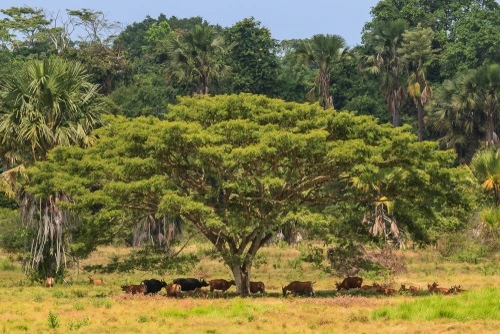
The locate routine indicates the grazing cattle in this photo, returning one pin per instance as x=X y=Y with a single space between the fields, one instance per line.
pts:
x=350 y=283
x=133 y=289
x=373 y=287
x=173 y=290
x=153 y=285
x=411 y=289
x=257 y=287
x=434 y=288
x=49 y=282
x=220 y=284
x=299 y=287
x=386 y=291
x=96 y=281
x=190 y=284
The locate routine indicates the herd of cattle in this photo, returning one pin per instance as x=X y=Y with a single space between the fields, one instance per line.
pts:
x=179 y=286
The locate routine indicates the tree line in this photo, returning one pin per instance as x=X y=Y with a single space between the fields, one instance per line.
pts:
x=126 y=132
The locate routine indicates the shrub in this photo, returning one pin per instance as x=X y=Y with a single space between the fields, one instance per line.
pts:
x=53 y=320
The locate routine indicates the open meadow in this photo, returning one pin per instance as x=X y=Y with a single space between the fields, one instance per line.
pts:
x=81 y=307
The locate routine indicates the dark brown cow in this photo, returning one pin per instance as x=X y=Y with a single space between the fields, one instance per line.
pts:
x=220 y=284
x=434 y=289
x=350 y=283
x=133 y=289
x=49 y=282
x=257 y=287
x=173 y=290
x=299 y=287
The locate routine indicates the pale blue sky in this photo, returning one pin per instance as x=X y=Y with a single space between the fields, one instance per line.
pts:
x=286 y=19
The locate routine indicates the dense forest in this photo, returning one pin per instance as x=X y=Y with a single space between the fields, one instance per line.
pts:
x=154 y=133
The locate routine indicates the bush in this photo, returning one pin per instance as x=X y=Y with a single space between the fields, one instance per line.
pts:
x=53 y=320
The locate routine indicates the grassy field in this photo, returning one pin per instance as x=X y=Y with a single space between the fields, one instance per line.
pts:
x=80 y=307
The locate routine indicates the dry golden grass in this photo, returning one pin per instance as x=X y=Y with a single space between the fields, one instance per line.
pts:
x=81 y=307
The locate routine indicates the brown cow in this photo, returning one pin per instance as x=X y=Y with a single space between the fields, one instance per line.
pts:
x=411 y=288
x=373 y=287
x=350 y=283
x=434 y=288
x=257 y=287
x=173 y=290
x=299 y=287
x=96 y=281
x=49 y=282
x=133 y=289
x=220 y=284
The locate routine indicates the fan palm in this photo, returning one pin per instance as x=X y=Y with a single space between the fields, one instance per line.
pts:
x=197 y=58
x=47 y=103
x=416 y=51
x=321 y=52
x=386 y=38
x=486 y=96
x=453 y=114
x=486 y=166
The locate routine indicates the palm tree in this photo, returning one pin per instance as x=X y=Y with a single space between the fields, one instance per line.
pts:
x=467 y=103
x=47 y=103
x=197 y=57
x=386 y=38
x=452 y=113
x=486 y=167
x=416 y=51
x=486 y=97
x=321 y=52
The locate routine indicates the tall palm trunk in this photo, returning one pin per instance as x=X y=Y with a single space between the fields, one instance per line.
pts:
x=490 y=127
x=420 y=119
x=324 y=84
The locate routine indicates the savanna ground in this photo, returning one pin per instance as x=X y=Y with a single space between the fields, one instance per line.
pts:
x=80 y=307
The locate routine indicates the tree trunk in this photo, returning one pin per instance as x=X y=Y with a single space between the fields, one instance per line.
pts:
x=242 y=278
x=395 y=112
x=490 y=128
x=420 y=119
x=325 y=91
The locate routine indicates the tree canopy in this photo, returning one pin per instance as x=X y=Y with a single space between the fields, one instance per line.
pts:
x=240 y=167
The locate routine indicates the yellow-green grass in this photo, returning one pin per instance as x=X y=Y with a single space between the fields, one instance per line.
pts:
x=80 y=307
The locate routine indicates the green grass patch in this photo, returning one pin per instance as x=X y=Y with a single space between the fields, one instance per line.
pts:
x=474 y=305
x=233 y=309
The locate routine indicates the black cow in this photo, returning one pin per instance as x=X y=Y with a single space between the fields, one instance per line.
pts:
x=153 y=285
x=190 y=284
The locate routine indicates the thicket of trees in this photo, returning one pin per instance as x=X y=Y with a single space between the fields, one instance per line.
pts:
x=233 y=166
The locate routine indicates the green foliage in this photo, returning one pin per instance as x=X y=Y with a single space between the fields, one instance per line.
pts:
x=13 y=234
x=197 y=58
x=53 y=320
x=252 y=58
x=77 y=324
x=47 y=103
x=148 y=258
x=238 y=168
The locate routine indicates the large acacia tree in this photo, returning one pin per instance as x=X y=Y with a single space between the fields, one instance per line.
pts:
x=241 y=167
